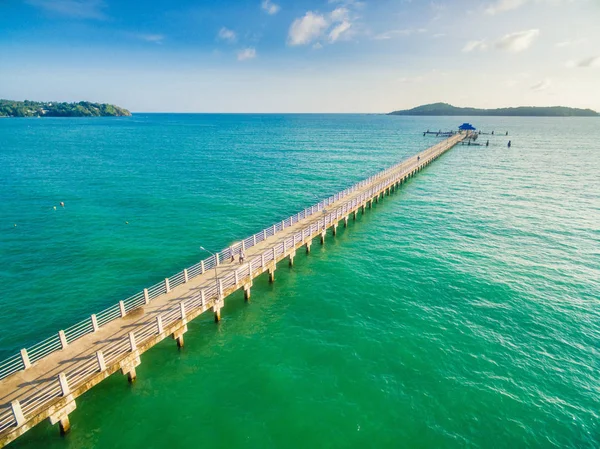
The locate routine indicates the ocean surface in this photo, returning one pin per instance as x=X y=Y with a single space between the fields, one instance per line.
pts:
x=463 y=311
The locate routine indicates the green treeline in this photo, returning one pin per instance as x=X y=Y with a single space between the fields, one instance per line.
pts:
x=9 y=108
x=523 y=111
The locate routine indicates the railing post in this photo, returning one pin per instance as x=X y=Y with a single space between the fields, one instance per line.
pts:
x=122 y=308
x=64 y=385
x=254 y=240
x=201 y=267
x=250 y=270
x=262 y=260
x=146 y=296
x=243 y=245
x=202 y=298
x=159 y=324
x=101 y=362
x=132 y=344
x=264 y=234
x=236 y=275
x=274 y=229
x=186 y=278
x=25 y=359
x=17 y=412
x=217 y=261
x=94 y=323
x=274 y=261
x=220 y=288
x=167 y=285
x=63 y=339
x=282 y=225
x=182 y=311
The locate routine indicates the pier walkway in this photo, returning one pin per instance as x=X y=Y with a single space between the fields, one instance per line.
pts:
x=43 y=381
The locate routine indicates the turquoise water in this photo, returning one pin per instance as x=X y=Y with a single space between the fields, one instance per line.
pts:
x=462 y=311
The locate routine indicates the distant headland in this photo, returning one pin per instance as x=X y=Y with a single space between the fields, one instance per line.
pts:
x=522 y=111
x=9 y=108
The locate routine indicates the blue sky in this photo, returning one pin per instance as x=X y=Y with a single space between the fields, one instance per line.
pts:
x=301 y=56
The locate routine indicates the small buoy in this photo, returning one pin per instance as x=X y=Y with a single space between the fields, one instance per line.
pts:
x=126 y=222
x=62 y=204
x=15 y=225
x=54 y=207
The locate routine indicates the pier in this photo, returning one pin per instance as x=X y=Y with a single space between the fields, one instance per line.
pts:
x=43 y=381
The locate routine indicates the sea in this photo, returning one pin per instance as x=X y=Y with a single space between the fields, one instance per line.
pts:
x=462 y=311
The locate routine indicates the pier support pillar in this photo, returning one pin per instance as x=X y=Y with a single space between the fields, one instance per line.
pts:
x=272 y=273
x=354 y=215
x=362 y=209
x=323 y=237
x=370 y=204
x=377 y=198
x=308 y=245
x=334 y=227
x=61 y=417
x=292 y=255
x=247 y=292
x=178 y=336
x=219 y=303
x=128 y=366
x=346 y=221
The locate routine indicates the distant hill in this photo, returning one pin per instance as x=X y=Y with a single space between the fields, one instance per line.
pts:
x=9 y=108
x=523 y=111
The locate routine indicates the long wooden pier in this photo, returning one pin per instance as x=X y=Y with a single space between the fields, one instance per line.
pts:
x=43 y=381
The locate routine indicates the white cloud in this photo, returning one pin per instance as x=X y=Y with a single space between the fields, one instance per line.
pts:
x=246 y=53
x=307 y=29
x=339 y=30
x=79 y=9
x=504 y=5
x=227 y=35
x=270 y=7
x=542 y=85
x=438 y=35
x=339 y=14
x=317 y=45
x=475 y=45
x=517 y=42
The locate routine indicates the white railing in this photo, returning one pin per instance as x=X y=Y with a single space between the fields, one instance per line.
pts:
x=39 y=350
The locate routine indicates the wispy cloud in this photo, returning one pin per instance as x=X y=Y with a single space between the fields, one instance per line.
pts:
x=307 y=29
x=227 y=35
x=592 y=61
x=339 y=30
x=475 y=45
x=504 y=5
x=78 y=9
x=571 y=43
x=517 y=42
x=270 y=7
x=542 y=85
x=246 y=53
x=154 y=38
x=397 y=33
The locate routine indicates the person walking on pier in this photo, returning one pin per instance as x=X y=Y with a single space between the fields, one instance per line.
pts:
x=242 y=256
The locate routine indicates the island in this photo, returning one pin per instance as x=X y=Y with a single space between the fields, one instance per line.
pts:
x=522 y=111
x=9 y=108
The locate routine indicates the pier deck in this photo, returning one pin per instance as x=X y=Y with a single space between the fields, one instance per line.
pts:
x=47 y=388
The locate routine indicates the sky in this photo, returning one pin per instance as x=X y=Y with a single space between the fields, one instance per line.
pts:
x=301 y=56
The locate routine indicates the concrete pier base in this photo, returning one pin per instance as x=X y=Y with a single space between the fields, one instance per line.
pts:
x=178 y=336
x=377 y=198
x=61 y=417
x=247 y=292
x=217 y=306
x=292 y=255
x=346 y=222
x=323 y=237
x=334 y=227
x=354 y=215
x=272 y=273
x=370 y=202
x=308 y=245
